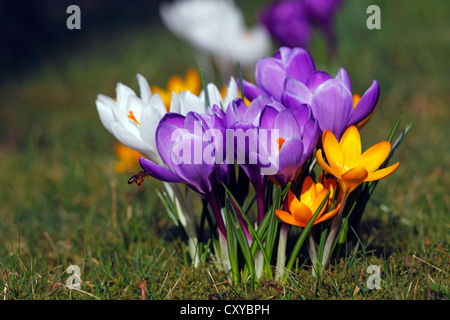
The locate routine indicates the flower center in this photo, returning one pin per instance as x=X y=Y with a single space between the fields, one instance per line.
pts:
x=132 y=117
x=280 y=142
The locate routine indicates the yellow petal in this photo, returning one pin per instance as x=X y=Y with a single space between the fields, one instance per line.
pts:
x=193 y=82
x=317 y=201
x=309 y=192
x=356 y=98
x=302 y=214
x=286 y=217
x=292 y=201
x=328 y=215
x=325 y=165
x=352 y=179
x=351 y=147
x=382 y=173
x=332 y=150
x=373 y=157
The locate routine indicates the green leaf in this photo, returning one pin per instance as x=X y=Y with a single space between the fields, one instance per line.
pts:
x=205 y=89
x=255 y=236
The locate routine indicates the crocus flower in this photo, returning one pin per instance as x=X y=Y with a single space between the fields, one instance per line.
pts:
x=302 y=209
x=345 y=161
x=181 y=144
x=287 y=22
x=132 y=119
x=290 y=77
x=351 y=168
x=186 y=101
x=292 y=23
x=217 y=28
x=298 y=134
x=331 y=99
x=245 y=122
x=272 y=72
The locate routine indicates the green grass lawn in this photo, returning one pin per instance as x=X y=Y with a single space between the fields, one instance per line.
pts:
x=62 y=203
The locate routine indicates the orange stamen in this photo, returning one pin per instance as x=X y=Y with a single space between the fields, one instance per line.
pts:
x=132 y=117
x=280 y=142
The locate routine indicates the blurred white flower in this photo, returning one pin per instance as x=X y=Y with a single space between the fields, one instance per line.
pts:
x=217 y=27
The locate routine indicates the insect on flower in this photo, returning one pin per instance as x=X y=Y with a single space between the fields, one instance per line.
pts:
x=139 y=177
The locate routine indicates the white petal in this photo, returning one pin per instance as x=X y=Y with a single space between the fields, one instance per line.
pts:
x=130 y=140
x=144 y=88
x=232 y=93
x=105 y=113
x=214 y=95
x=190 y=102
x=175 y=105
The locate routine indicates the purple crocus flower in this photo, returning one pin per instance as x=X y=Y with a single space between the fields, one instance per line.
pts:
x=331 y=100
x=292 y=22
x=182 y=147
x=298 y=134
x=287 y=22
x=252 y=157
x=272 y=72
x=290 y=77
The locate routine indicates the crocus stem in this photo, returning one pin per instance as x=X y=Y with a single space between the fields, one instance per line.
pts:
x=260 y=202
x=281 y=255
x=217 y=213
x=313 y=255
x=333 y=232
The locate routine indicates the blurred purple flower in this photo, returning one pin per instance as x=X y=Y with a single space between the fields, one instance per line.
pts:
x=287 y=22
x=291 y=22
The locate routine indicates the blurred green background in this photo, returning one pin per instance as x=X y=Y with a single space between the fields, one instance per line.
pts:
x=60 y=196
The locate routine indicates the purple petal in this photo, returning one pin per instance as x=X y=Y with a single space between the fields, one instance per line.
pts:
x=270 y=76
x=166 y=134
x=299 y=64
x=158 y=172
x=267 y=118
x=342 y=75
x=366 y=105
x=174 y=118
x=332 y=105
x=299 y=89
x=310 y=137
x=302 y=113
x=251 y=91
x=290 y=159
x=194 y=170
x=287 y=125
x=235 y=112
x=316 y=79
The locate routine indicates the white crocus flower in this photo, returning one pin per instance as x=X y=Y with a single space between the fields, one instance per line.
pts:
x=217 y=28
x=131 y=119
x=186 y=101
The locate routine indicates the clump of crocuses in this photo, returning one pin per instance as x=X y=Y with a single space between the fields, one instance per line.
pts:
x=264 y=158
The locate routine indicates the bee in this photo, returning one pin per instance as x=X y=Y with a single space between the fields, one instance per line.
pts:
x=138 y=178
